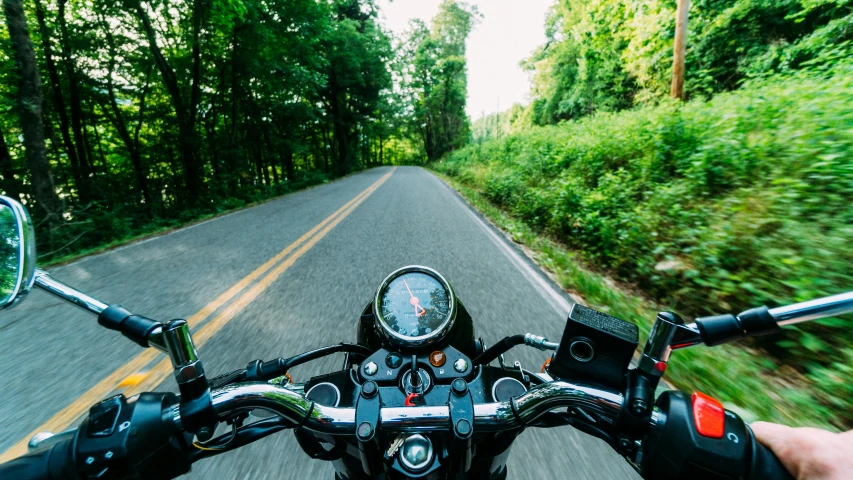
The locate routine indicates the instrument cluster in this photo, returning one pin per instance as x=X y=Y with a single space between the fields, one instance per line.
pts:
x=414 y=306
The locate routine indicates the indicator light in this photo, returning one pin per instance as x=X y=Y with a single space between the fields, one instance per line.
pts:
x=437 y=358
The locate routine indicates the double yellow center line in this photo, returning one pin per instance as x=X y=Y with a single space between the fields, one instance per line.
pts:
x=128 y=378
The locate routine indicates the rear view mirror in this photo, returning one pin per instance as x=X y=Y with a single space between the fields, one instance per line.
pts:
x=17 y=252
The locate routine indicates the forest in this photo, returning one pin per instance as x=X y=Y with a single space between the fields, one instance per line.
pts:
x=122 y=117
x=737 y=196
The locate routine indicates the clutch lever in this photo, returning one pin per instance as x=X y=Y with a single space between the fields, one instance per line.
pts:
x=671 y=333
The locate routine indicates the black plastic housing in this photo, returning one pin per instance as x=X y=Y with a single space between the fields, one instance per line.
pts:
x=141 y=444
x=609 y=342
x=675 y=450
x=134 y=327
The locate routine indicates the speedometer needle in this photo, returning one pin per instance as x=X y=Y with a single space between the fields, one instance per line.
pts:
x=414 y=301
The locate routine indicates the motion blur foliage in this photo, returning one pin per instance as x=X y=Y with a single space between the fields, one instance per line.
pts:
x=608 y=55
x=711 y=206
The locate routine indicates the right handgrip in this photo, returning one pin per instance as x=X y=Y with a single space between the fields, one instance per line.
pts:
x=694 y=437
x=763 y=463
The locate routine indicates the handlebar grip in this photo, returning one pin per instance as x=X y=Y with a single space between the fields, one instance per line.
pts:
x=764 y=463
x=696 y=438
x=55 y=462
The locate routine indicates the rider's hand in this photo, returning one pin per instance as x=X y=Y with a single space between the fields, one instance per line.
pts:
x=809 y=453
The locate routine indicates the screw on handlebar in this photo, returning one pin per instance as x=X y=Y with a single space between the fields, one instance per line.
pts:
x=639 y=407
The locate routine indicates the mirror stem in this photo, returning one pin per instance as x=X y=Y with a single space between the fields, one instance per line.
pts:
x=69 y=294
x=92 y=305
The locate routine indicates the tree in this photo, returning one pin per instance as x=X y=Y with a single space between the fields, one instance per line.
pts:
x=356 y=51
x=30 y=112
x=185 y=109
x=610 y=55
x=437 y=80
x=169 y=110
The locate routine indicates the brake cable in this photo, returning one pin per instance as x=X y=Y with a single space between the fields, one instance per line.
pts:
x=261 y=371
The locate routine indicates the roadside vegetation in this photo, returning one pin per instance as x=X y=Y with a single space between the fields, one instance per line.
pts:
x=739 y=197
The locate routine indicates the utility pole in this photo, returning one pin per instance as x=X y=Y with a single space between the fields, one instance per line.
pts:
x=680 y=49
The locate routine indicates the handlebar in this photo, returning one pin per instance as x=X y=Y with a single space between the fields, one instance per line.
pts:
x=672 y=449
x=55 y=462
x=488 y=417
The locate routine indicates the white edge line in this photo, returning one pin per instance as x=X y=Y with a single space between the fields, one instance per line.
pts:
x=555 y=299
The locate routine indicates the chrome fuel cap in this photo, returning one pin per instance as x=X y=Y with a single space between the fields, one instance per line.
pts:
x=416 y=453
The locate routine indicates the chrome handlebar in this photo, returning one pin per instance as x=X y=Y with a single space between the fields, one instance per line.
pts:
x=813 y=309
x=488 y=417
x=491 y=417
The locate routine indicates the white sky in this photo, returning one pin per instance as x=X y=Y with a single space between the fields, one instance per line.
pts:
x=509 y=31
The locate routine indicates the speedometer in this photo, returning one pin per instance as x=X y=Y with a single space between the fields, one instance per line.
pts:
x=414 y=306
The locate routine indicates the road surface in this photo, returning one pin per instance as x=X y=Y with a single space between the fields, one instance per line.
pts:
x=273 y=280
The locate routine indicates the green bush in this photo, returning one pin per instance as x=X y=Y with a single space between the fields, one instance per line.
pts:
x=708 y=206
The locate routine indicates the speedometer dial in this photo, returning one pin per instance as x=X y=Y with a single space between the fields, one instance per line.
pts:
x=415 y=306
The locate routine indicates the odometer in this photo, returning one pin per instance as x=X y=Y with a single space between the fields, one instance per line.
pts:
x=414 y=306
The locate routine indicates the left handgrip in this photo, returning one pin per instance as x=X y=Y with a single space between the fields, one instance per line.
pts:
x=54 y=462
x=134 y=327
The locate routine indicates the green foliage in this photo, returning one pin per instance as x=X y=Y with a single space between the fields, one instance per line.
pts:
x=709 y=206
x=608 y=55
x=759 y=392
x=209 y=103
x=118 y=228
x=434 y=80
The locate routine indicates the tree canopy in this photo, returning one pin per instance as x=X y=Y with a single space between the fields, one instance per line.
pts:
x=607 y=55
x=120 y=115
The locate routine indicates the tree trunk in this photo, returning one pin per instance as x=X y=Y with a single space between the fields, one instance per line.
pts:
x=341 y=134
x=87 y=141
x=75 y=105
x=11 y=186
x=288 y=163
x=196 y=167
x=211 y=121
x=192 y=172
x=117 y=119
x=325 y=148
x=258 y=166
x=58 y=99
x=104 y=167
x=270 y=147
x=235 y=99
x=262 y=163
x=30 y=103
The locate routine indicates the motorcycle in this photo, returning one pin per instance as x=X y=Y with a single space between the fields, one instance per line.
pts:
x=417 y=396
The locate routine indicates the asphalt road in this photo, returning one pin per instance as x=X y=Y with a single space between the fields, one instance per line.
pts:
x=57 y=358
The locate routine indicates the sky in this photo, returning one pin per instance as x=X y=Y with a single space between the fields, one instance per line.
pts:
x=509 y=31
